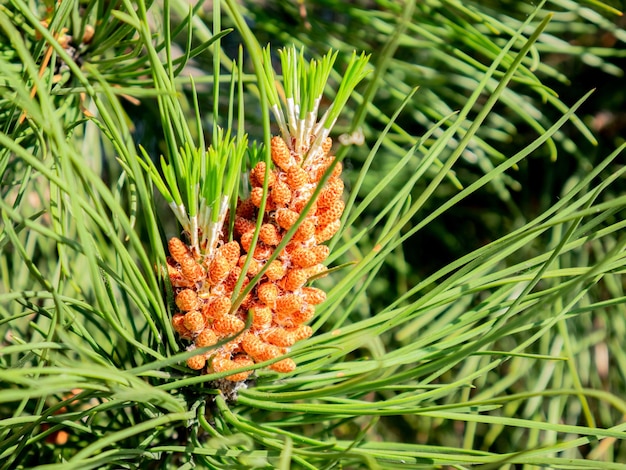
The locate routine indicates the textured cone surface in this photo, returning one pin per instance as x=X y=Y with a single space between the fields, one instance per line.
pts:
x=280 y=304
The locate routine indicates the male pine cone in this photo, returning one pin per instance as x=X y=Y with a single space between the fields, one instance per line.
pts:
x=281 y=304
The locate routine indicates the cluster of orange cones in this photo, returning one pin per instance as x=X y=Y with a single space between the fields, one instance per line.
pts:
x=280 y=304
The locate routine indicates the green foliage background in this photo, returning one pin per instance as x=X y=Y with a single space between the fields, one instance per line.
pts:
x=478 y=316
